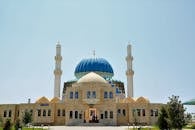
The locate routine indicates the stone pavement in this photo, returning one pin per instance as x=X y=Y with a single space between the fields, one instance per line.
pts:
x=91 y=128
x=87 y=127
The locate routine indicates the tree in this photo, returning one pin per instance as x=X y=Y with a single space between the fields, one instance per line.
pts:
x=188 y=118
x=1 y=121
x=17 y=124
x=175 y=111
x=7 y=125
x=27 y=118
x=163 y=122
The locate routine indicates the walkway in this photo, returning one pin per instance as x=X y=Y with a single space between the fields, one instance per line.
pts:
x=87 y=128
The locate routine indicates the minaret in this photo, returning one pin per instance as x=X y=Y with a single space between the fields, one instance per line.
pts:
x=57 y=71
x=129 y=72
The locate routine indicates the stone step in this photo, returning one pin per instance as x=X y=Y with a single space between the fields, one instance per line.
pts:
x=91 y=124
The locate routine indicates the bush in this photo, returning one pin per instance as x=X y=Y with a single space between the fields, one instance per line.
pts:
x=193 y=126
x=163 y=119
x=7 y=125
x=17 y=124
x=27 y=118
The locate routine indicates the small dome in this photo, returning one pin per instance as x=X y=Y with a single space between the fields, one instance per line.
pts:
x=91 y=78
x=128 y=100
x=97 y=65
x=42 y=100
x=142 y=100
x=55 y=100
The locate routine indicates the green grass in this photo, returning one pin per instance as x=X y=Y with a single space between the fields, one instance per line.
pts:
x=154 y=128
x=25 y=128
x=189 y=126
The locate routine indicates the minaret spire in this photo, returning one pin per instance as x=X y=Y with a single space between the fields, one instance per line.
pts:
x=129 y=72
x=57 y=71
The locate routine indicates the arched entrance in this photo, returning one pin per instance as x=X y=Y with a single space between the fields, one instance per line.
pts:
x=91 y=115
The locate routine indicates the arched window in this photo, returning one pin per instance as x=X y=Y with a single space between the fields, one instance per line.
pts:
x=111 y=95
x=143 y=112
x=134 y=112
x=58 y=112
x=151 y=112
x=71 y=95
x=49 y=112
x=80 y=116
x=156 y=112
x=124 y=112
x=76 y=95
x=18 y=113
x=76 y=114
x=94 y=94
x=5 y=114
x=63 y=112
x=39 y=112
x=10 y=113
x=88 y=94
x=70 y=116
x=105 y=94
x=106 y=114
x=138 y=112
x=111 y=114
x=102 y=116
x=119 y=111
x=44 y=112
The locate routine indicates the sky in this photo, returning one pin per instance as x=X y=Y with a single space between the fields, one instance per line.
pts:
x=162 y=34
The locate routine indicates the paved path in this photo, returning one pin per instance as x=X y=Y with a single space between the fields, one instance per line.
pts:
x=91 y=128
x=87 y=128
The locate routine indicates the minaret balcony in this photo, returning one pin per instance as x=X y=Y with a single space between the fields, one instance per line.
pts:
x=58 y=58
x=129 y=72
x=129 y=58
x=57 y=72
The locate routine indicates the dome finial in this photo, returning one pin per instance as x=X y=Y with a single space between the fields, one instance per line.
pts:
x=94 y=53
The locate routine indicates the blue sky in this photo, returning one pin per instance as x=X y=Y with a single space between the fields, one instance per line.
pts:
x=162 y=34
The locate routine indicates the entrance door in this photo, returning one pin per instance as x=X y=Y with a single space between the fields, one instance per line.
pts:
x=93 y=115
x=92 y=112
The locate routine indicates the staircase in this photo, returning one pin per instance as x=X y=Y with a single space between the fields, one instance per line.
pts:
x=91 y=124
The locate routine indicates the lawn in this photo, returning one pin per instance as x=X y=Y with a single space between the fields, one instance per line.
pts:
x=142 y=129
x=26 y=128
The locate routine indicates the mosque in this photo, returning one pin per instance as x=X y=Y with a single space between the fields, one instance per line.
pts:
x=93 y=99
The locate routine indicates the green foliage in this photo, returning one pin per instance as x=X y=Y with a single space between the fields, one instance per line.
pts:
x=1 y=121
x=176 y=112
x=188 y=118
x=163 y=122
x=172 y=115
x=17 y=124
x=27 y=118
x=26 y=128
x=153 y=128
x=193 y=126
x=7 y=125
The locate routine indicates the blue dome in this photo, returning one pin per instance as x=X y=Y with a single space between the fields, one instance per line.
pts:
x=97 y=65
